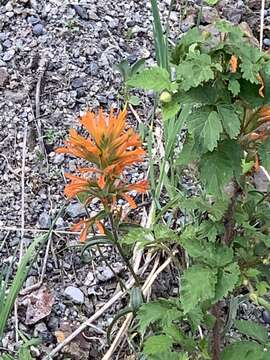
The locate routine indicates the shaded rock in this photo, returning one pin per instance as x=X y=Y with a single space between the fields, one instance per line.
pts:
x=44 y=221
x=266 y=316
x=209 y=15
x=8 y=55
x=38 y=29
x=33 y=20
x=232 y=14
x=80 y=11
x=74 y=294
x=76 y=210
x=3 y=76
x=77 y=83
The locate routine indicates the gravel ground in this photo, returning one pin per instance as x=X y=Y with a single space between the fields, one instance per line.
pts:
x=56 y=60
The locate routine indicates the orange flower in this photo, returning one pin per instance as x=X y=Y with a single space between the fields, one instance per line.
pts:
x=233 y=64
x=264 y=114
x=111 y=148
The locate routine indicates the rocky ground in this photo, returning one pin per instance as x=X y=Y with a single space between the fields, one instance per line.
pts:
x=57 y=59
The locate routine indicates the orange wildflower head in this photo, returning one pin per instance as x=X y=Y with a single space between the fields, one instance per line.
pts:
x=110 y=148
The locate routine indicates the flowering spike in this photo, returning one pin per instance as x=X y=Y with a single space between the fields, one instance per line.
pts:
x=111 y=148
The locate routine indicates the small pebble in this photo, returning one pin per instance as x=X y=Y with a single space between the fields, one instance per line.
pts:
x=38 y=29
x=44 y=221
x=266 y=42
x=74 y=294
x=81 y=12
x=33 y=20
x=266 y=316
x=77 y=83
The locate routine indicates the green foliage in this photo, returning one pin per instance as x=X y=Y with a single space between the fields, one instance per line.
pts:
x=252 y=330
x=215 y=86
x=198 y=284
x=244 y=350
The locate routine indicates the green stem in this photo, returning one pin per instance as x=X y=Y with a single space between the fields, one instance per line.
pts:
x=121 y=252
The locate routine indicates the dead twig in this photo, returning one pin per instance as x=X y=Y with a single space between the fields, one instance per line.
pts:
x=262 y=23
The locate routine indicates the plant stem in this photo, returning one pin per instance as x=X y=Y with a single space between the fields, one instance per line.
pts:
x=216 y=332
x=121 y=252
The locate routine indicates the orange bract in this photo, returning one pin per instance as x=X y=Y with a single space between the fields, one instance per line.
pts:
x=111 y=148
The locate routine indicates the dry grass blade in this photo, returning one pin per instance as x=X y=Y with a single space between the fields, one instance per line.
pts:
x=262 y=23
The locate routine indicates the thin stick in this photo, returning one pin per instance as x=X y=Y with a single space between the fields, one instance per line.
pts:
x=262 y=23
x=14 y=228
x=146 y=287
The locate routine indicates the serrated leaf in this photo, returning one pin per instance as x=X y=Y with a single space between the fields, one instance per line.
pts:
x=230 y=120
x=210 y=253
x=162 y=310
x=219 y=166
x=250 y=71
x=244 y=350
x=211 y=131
x=234 y=86
x=226 y=280
x=206 y=126
x=157 y=344
x=195 y=70
x=198 y=284
x=155 y=78
x=254 y=330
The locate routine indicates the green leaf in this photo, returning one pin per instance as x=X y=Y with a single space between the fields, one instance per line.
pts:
x=195 y=70
x=170 y=110
x=234 y=86
x=206 y=125
x=157 y=344
x=155 y=78
x=230 y=120
x=198 y=284
x=134 y=100
x=163 y=311
x=226 y=280
x=218 y=167
x=244 y=350
x=250 y=71
x=211 y=131
x=211 y=2
x=253 y=330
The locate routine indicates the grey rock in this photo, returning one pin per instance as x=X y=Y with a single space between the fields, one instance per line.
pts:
x=53 y=323
x=74 y=294
x=76 y=210
x=16 y=97
x=102 y=99
x=81 y=12
x=44 y=221
x=77 y=83
x=209 y=15
x=38 y=29
x=7 y=44
x=266 y=316
x=8 y=55
x=33 y=20
x=3 y=76
x=232 y=14
x=58 y=159
x=89 y=279
x=104 y=273
x=40 y=328
x=266 y=42
x=92 y=69
x=60 y=223
x=261 y=180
